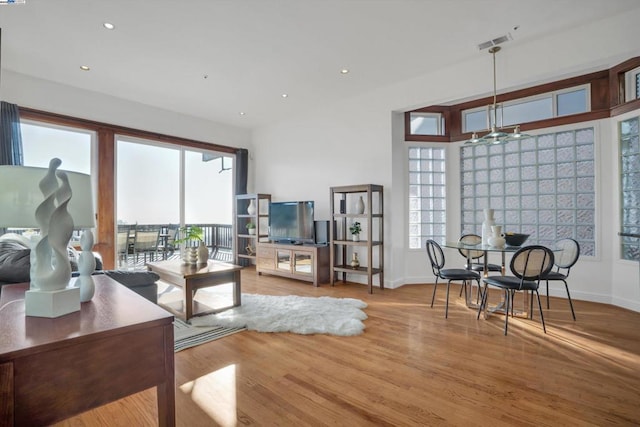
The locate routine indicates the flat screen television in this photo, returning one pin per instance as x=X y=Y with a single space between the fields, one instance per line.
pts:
x=291 y=222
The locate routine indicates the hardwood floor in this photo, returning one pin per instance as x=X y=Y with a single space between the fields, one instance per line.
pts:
x=410 y=367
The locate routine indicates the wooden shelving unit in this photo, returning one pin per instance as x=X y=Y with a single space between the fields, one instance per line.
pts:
x=343 y=212
x=246 y=245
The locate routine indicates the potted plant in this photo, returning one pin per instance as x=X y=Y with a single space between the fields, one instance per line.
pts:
x=355 y=231
x=190 y=233
x=193 y=254
x=251 y=228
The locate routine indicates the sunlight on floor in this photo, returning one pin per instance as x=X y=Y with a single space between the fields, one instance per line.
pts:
x=215 y=394
x=216 y=297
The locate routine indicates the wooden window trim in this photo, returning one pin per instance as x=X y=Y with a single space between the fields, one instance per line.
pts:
x=607 y=100
x=106 y=136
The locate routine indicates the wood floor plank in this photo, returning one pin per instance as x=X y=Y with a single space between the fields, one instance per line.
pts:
x=410 y=367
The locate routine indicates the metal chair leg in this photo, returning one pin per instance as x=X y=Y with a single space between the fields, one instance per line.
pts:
x=506 y=313
x=531 y=305
x=446 y=304
x=544 y=328
x=570 y=303
x=435 y=287
x=547 y=294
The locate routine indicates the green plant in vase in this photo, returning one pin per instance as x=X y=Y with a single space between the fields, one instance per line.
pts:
x=355 y=230
x=190 y=233
x=251 y=228
x=193 y=254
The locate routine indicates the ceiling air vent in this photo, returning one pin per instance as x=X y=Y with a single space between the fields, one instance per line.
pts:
x=495 y=42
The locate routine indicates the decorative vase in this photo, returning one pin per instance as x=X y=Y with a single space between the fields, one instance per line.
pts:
x=86 y=266
x=360 y=206
x=355 y=263
x=87 y=288
x=190 y=256
x=497 y=239
x=355 y=237
x=251 y=230
x=251 y=209
x=486 y=226
x=203 y=253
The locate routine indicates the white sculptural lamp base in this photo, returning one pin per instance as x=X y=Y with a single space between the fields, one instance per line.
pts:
x=42 y=198
x=52 y=304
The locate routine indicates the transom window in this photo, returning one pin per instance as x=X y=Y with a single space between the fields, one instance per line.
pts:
x=42 y=142
x=549 y=105
x=426 y=123
x=543 y=186
x=632 y=84
x=630 y=186
x=427 y=195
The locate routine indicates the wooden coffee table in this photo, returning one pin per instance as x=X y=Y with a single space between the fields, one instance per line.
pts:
x=191 y=277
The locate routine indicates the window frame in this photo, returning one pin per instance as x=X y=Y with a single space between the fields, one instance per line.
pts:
x=553 y=95
x=105 y=154
x=632 y=84
x=625 y=241
x=440 y=122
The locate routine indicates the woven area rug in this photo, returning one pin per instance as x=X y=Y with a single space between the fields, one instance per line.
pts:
x=186 y=336
x=291 y=313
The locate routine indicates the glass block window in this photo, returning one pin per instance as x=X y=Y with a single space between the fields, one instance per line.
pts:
x=427 y=216
x=543 y=186
x=630 y=186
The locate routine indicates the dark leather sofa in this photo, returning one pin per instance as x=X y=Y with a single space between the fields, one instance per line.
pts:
x=15 y=265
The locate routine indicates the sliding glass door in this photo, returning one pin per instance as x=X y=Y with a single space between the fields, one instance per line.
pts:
x=161 y=187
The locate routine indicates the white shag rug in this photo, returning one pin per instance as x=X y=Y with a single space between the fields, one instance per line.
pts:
x=291 y=313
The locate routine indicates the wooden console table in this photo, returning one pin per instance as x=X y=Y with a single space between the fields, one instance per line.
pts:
x=302 y=262
x=116 y=345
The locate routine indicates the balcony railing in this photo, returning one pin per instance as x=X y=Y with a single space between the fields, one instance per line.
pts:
x=133 y=250
x=157 y=241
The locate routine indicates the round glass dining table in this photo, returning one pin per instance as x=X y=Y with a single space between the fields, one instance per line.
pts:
x=468 y=250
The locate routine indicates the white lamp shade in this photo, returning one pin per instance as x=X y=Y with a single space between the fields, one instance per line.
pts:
x=20 y=195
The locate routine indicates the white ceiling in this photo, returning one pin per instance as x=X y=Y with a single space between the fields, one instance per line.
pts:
x=253 y=51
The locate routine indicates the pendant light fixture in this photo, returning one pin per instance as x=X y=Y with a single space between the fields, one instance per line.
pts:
x=497 y=134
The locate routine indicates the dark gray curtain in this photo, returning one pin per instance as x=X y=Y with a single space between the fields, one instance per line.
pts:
x=241 y=170
x=10 y=136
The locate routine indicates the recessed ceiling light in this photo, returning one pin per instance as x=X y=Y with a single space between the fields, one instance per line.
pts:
x=241 y=113
x=108 y=25
x=344 y=71
x=85 y=68
x=284 y=95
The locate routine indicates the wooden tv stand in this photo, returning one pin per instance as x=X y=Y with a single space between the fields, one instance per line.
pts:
x=302 y=262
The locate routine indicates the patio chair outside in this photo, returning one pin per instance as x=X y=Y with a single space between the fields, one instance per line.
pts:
x=122 y=245
x=146 y=242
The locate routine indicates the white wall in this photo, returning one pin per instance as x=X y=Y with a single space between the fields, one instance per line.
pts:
x=361 y=141
x=44 y=95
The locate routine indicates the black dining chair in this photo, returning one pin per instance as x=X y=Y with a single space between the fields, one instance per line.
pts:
x=528 y=265
x=436 y=257
x=565 y=258
x=477 y=260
